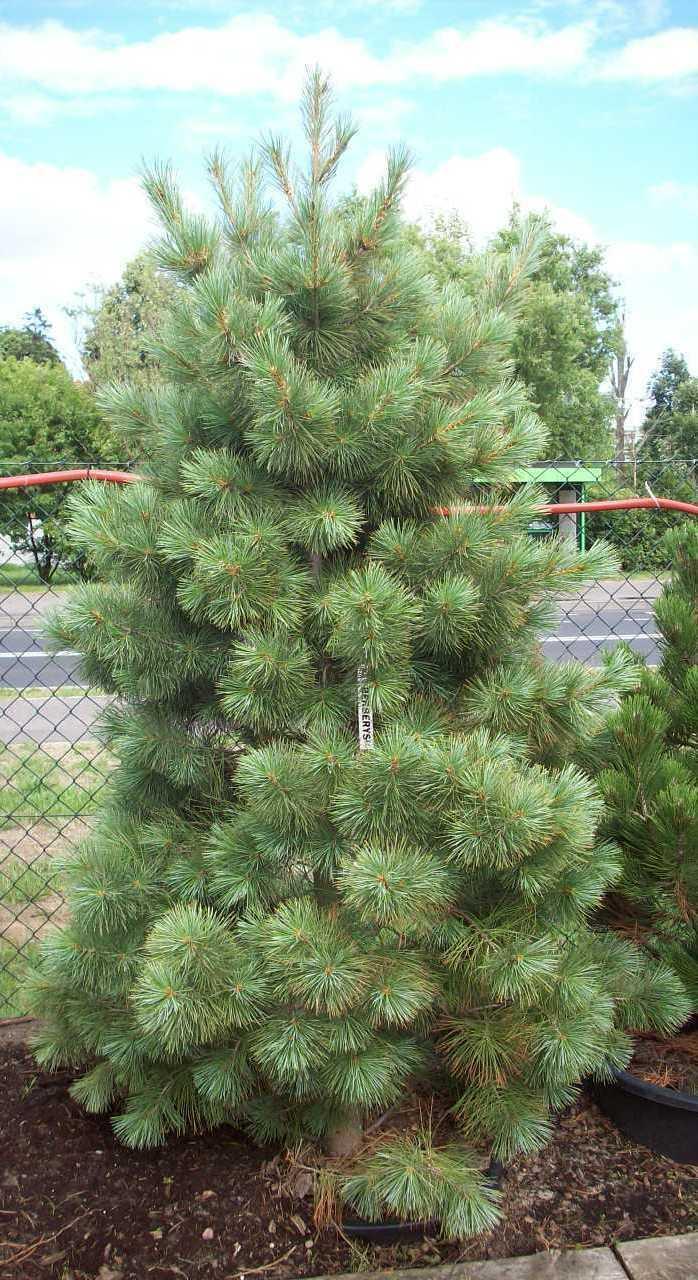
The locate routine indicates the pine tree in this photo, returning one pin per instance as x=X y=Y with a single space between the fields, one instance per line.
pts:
x=648 y=753
x=344 y=849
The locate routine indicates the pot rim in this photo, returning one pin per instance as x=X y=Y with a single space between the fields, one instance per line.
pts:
x=629 y=1083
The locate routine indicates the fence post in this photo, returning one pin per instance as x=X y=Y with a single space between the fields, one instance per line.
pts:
x=567 y=520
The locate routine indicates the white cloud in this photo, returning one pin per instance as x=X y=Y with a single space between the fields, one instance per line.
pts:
x=253 y=53
x=493 y=48
x=63 y=227
x=482 y=188
x=660 y=285
x=59 y=229
x=30 y=108
x=682 y=195
x=613 y=15
x=385 y=116
x=669 y=55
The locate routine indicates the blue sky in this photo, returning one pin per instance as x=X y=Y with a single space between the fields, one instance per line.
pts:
x=588 y=107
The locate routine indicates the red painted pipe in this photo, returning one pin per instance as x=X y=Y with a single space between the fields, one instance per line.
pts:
x=623 y=504
x=559 y=508
x=63 y=477
x=607 y=504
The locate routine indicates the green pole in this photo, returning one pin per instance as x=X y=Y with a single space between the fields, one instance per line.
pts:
x=582 y=523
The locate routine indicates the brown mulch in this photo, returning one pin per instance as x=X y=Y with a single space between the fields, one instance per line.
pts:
x=75 y=1205
x=670 y=1063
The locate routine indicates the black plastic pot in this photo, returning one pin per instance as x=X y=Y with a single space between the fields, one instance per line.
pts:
x=393 y=1230
x=389 y=1232
x=665 y=1120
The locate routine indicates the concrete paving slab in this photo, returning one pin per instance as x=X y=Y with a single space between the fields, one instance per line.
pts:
x=663 y=1258
x=573 y=1264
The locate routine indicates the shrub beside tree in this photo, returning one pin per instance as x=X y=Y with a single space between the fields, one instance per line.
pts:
x=345 y=852
x=648 y=754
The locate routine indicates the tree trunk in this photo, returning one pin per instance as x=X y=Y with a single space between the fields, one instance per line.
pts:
x=344 y=1138
x=620 y=372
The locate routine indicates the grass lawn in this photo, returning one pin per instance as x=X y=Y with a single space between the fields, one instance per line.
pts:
x=25 y=882
x=25 y=575
x=43 y=791
x=12 y=967
x=50 y=782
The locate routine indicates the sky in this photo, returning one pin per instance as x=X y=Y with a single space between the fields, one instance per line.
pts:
x=588 y=108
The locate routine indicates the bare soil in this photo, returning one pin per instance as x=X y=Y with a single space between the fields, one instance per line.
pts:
x=24 y=922
x=41 y=838
x=76 y=1205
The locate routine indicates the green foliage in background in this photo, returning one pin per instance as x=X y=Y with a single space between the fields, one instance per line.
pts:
x=118 y=323
x=31 y=341
x=565 y=338
x=564 y=346
x=47 y=422
x=269 y=925
x=638 y=536
x=670 y=429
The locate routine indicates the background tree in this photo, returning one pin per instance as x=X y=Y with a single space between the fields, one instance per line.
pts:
x=670 y=428
x=663 y=385
x=47 y=421
x=30 y=342
x=566 y=338
x=115 y=324
x=682 y=430
x=342 y=848
x=621 y=365
x=566 y=343
x=447 y=244
x=663 y=459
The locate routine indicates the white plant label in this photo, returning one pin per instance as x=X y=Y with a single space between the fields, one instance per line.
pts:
x=365 y=711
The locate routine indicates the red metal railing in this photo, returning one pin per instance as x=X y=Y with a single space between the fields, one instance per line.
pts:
x=62 y=477
x=548 y=508
x=622 y=504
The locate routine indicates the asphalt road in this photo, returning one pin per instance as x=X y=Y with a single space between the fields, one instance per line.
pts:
x=24 y=662
x=588 y=624
x=586 y=630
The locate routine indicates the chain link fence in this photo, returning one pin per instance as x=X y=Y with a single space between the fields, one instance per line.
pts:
x=620 y=608
x=53 y=769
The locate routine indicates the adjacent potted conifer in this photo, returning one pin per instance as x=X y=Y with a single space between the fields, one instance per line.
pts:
x=649 y=758
x=343 y=850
